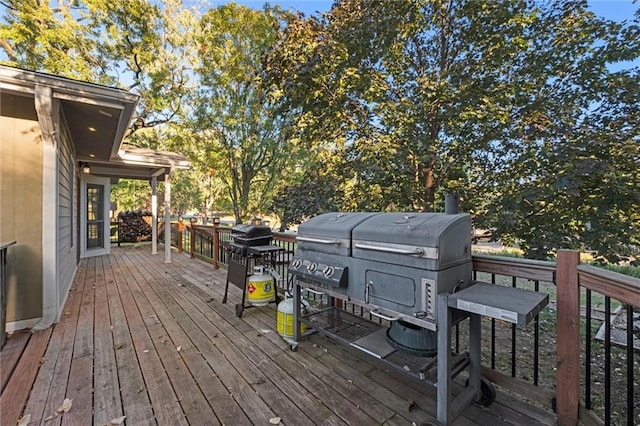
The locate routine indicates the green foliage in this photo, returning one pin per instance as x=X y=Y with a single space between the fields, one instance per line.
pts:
x=131 y=195
x=509 y=103
x=112 y=42
x=315 y=193
x=240 y=132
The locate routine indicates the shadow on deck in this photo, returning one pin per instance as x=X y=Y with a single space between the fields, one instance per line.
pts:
x=143 y=342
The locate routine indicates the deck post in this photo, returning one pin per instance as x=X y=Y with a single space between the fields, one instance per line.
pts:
x=216 y=247
x=568 y=344
x=192 y=238
x=154 y=215
x=167 y=217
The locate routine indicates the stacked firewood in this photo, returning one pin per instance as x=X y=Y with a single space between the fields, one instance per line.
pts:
x=134 y=226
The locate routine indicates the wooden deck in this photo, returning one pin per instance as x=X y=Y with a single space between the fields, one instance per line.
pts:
x=153 y=342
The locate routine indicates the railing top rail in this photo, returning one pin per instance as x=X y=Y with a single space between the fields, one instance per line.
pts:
x=537 y=270
x=7 y=244
x=619 y=286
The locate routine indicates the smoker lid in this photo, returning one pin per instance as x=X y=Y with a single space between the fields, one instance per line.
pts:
x=424 y=229
x=337 y=225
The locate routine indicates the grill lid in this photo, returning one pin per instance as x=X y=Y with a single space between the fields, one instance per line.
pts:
x=432 y=241
x=329 y=232
x=336 y=225
x=251 y=235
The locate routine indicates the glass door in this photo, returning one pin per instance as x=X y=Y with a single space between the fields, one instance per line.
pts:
x=95 y=216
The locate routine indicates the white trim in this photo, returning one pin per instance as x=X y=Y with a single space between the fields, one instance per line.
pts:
x=154 y=215
x=167 y=217
x=49 y=216
x=22 y=325
x=106 y=249
x=16 y=88
x=86 y=100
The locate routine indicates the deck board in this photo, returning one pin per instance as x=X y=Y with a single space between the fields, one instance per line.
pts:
x=11 y=353
x=166 y=405
x=106 y=394
x=154 y=342
x=136 y=404
x=15 y=394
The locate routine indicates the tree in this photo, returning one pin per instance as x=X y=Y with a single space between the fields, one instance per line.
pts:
x=571 y=180
x=128 y=43
x=132 y=44
x=315 y=192
x=236 y=120
x=493 y=100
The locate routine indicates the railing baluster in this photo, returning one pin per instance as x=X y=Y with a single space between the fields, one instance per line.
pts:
x=630 y=382
x=513 y=338
x=536 y=341
x=493 y=333
x=607 y=360
x=587 y=379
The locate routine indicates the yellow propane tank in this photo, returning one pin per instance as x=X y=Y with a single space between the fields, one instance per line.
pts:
x=260 y=288
x=285 y=318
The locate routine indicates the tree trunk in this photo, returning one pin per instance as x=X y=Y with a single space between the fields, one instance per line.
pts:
x=429 y=186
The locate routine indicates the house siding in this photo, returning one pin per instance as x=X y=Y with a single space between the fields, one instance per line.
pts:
x=67 y=214
x=21 y=204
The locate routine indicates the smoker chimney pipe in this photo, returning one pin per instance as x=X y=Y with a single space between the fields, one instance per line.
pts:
x=451 y=203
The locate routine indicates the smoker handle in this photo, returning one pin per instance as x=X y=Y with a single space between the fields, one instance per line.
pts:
x=384 y=317
x=419 y=251
x=314 y=292
x=317 y=240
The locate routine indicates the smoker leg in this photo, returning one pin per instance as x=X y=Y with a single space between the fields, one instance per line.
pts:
x=444 y=358
x=296 y=313
x=475 y=330
x=485 y=393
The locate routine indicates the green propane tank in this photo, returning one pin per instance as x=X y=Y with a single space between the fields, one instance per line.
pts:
x=260 y=287
x=285 y=318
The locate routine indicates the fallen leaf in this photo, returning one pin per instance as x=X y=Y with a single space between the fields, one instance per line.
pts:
x=116 y=421
x=66 y=406
x=24 y=420
x=179 y=348
x=145 y=351
x=275 y=420
x=411 y=404
x=51 y=417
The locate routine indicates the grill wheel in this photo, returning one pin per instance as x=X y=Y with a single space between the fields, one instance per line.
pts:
x=487 y=391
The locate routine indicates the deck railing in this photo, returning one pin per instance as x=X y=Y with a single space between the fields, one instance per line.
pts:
x=3 y=289
x=598 y=383
x=566 y=359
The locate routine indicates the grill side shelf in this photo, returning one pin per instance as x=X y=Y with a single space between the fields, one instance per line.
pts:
x=510 y=304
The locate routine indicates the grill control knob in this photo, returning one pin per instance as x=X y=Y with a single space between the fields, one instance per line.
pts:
x=327 y=271
x=312 y=267
x=296 y=263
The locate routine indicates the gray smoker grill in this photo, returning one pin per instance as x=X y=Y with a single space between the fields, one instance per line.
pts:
x=396 y=262
x=414 y=271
